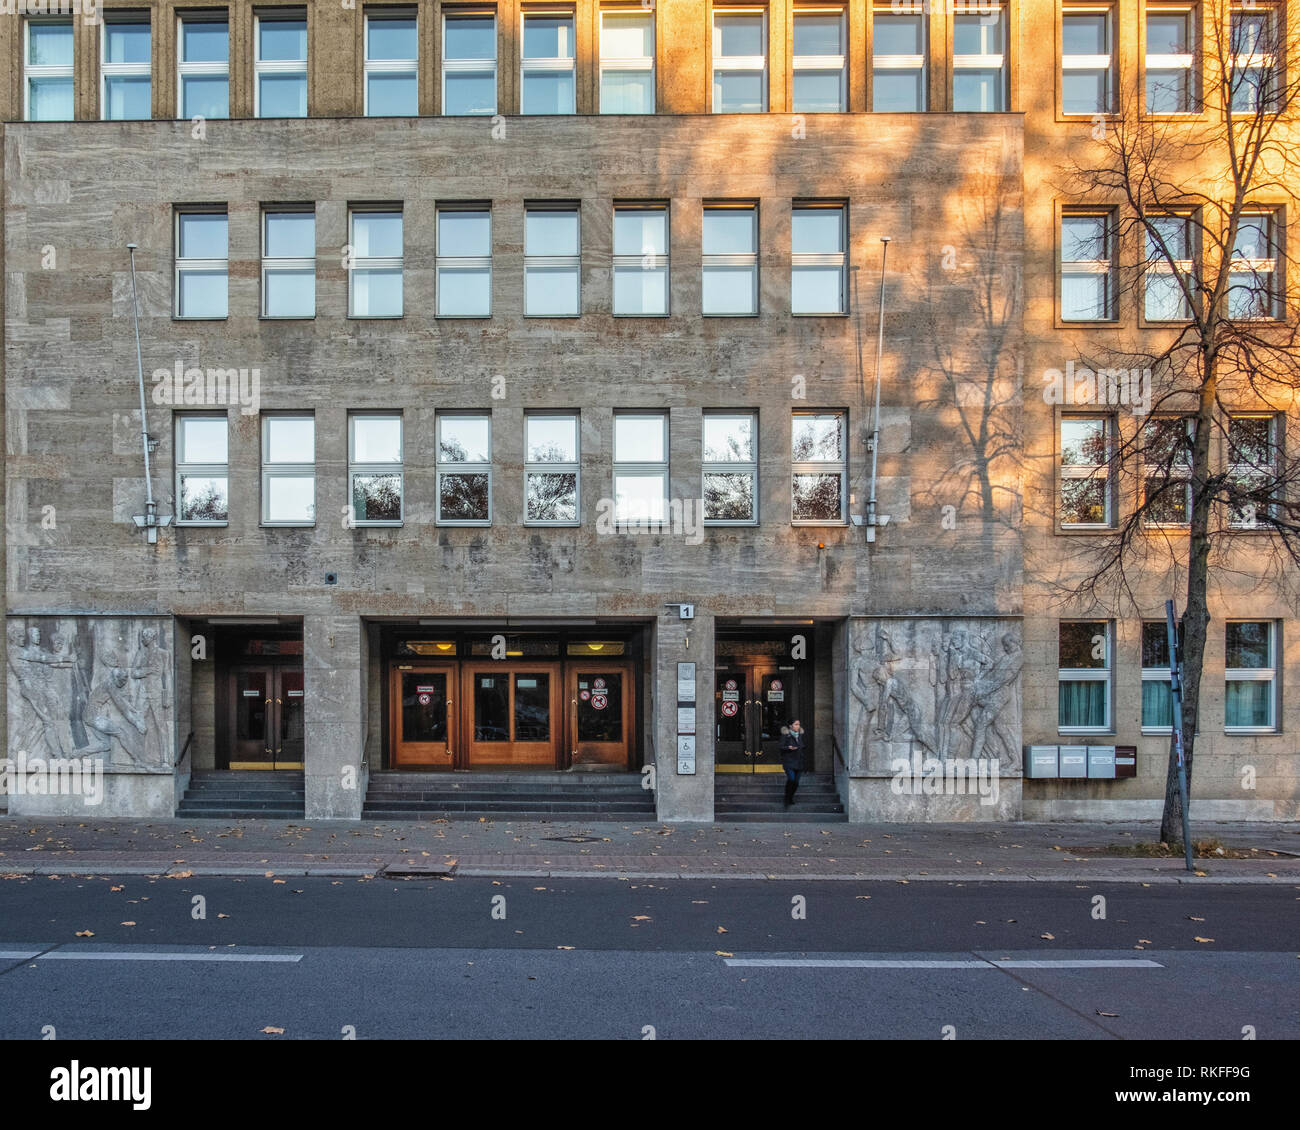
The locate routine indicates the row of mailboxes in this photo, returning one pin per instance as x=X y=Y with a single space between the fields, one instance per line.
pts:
x=1098 y=762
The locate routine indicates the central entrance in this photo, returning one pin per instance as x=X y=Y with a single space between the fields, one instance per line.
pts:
x=514 y=713
x=480 y=699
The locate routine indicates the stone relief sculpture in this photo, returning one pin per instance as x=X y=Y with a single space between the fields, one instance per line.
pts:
x=89 y=686
x=946 y=690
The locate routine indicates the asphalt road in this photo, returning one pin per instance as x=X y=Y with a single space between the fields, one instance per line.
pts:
x=328 y=958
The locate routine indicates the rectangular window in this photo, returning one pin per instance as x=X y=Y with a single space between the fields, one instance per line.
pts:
x=469 y=64
x=551 y=472
x=375 y=469
x=202 y=264
x=819 y=63
x=627 y=63
x=1157 y=700
x=1087 y=267
x=289 y=263
x=288 y=470
x=1169 y=268
x=730 y=259
x=392 y=65
x=203 y=67
x=48 y=70
x=202 y=470
x=1254 y=470
x=898 y=59
x=640 y=467
x=818 y=259
x=730 y=468
x=465 y=469
x=126 y=69
x=1166 y=471
x=739 y=62
x=1083 y=677
x=547 y=83
x=464 y=263
x=280 y=66
x=1250 y=671
x=1254 y=48
x=1087 y=61
x=375 y=264
x=819 y=466
x=552 y=263
x=641 y=260
x=1170 y=61
x=979 y=61
x=1254 y=282
x=1085 y=472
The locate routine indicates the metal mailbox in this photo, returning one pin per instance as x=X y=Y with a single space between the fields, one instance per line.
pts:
x=1041 y=761
x=1126 y=761
x=1101 y=761
x=1074 y=761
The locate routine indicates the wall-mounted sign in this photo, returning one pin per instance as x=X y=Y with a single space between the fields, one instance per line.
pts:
x=729 y=685
x=686 y=719
x=730 y=709
x=599 y=702
x=776 y=696
x=776 y=685
x=730 y=696
x=584 y=695
x=295 y=694
x=424 y=690
x=686 y=682
x=598 y=684
x=424 y=700
x=252 y=694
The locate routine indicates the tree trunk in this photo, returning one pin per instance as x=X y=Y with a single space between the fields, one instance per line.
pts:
x=1196 y=612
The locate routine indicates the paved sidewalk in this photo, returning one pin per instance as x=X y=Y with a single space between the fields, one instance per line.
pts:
x=898 y=852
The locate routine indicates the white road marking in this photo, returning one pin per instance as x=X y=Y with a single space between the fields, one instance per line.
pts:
x=74 y=955
x=17 y=955
x=901 y=963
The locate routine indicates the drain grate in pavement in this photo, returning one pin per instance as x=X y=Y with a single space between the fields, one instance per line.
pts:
x=430 y=867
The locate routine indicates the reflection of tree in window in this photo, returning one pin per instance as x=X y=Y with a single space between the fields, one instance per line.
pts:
x=206 y=503
x=552 y=495
x=377 y=498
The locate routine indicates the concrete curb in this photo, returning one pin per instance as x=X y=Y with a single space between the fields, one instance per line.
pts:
x=87 y=868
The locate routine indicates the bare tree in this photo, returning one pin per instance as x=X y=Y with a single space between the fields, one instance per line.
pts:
x=1194 y=241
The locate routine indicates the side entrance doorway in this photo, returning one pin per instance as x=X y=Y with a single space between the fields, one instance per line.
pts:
x=763 y=680
x=260 y=697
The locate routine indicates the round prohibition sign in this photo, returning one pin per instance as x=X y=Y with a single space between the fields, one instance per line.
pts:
x=599 y=702
x=729 y=709
x=424 y=700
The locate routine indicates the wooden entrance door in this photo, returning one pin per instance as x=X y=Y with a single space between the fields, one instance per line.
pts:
x=601 y=713
x=422 y=709
x=513 y=714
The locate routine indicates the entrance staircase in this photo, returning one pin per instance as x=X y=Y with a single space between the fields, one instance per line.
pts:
x=751 y=798
x=527 y=795
x=241 y=795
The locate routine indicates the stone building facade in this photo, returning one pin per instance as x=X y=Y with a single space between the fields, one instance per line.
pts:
x=464 y=580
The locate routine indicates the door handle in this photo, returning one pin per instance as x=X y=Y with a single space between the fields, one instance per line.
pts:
x=268 y=702
x=278 y=702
